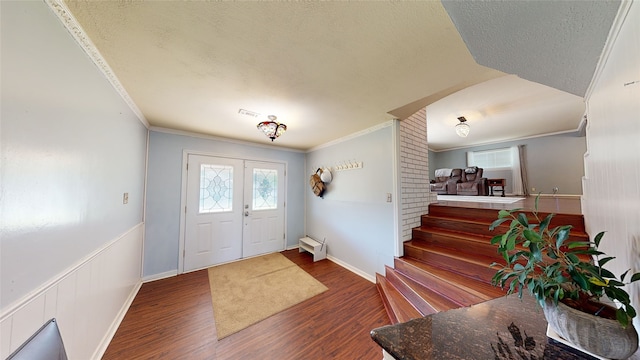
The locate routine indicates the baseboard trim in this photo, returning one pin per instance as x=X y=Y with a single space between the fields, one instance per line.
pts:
x=344 y=265
x=111 y=332
x=160 y=276
x=352 y=269
x=559 y=196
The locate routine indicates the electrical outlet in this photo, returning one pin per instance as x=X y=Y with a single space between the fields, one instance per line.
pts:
x=125 y=198
x=533 y=189
x=388 y=197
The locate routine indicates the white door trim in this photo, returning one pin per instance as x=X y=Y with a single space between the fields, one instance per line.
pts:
x=183 y=195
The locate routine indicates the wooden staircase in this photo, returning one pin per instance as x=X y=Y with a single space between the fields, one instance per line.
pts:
x=446 y=263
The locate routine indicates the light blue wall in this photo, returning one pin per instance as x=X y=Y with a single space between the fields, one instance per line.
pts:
x=354 y=215
x=552 y=161
x=164 y=179
x=70 y=148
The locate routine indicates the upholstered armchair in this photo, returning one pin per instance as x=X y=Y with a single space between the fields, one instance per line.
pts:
x=446 y=180
x=472 y=182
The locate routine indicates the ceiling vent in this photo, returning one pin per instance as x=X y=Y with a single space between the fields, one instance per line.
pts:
x=248 y=113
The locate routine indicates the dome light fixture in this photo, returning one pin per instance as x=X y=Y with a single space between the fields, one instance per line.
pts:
x=462 y=128
x=272 y=128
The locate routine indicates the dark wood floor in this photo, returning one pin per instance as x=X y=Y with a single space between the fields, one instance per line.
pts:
x=173 y=319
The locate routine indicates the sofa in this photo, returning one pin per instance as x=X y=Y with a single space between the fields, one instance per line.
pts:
x=446 y=180
x=472 y=183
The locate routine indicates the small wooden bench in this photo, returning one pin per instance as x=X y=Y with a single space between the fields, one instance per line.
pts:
x=318 y=249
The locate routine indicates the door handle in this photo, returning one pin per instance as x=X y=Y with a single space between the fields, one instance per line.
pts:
x=246 y=213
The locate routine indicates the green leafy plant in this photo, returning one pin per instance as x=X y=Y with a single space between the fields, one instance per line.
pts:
x=553 y=268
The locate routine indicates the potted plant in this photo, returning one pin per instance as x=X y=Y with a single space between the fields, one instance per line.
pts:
x=568 y=279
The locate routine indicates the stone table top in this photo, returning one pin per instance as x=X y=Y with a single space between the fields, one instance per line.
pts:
x=503 y=328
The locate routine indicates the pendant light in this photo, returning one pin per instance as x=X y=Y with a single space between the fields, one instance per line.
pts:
x=462 y=128
x=272 y=128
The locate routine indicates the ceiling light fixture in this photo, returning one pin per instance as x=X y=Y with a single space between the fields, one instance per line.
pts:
x=271 y=128
x=462 y=128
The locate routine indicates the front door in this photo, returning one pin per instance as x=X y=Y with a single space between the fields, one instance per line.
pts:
x=264 y=211
x=234 y=209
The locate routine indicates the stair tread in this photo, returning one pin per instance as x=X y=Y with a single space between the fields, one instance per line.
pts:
x=454 y=253
x=447 y=261
x=489 y=215
x=424 y=302
x=437 y=301
x=484 y=238
x=482 y=224
x=401 y=309
x=476 y=288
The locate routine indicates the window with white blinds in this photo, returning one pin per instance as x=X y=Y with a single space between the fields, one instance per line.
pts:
x=490 y=159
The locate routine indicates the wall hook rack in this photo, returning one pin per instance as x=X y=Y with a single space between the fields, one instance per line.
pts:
x=349 y=165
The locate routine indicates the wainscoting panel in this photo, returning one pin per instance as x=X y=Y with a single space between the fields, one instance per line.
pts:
x=89 y=300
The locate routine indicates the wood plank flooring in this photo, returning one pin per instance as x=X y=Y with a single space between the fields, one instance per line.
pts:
x=173 y=319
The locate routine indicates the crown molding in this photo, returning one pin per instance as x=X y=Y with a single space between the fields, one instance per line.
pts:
x=220 y=138
x=353 y=136
x=60 y=9
x=576 y=132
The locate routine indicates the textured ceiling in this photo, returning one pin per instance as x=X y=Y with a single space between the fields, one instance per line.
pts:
x=557 y=43
x=326 y=69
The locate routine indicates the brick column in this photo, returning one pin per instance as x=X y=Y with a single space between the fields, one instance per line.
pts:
x=414 y=172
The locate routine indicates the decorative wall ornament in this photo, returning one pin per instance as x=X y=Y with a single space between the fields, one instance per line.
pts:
x=317 y=186
x=71 y=24
x=326 y=176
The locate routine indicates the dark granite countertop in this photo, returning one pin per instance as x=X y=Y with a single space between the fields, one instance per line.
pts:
x=503 y=328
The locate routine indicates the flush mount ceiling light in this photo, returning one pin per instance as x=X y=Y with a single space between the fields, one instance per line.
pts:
x=271 y=128
x=462 y=128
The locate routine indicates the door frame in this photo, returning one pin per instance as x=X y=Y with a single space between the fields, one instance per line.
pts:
x=183 y=196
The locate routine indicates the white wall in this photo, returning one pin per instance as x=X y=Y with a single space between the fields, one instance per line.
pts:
x=70 y=147
x=611 y=198
x=552 y=161
x=162 y=239
x=88 y=301
x=354 y=215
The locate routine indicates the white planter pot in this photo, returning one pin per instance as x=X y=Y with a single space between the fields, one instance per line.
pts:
x=599 y=336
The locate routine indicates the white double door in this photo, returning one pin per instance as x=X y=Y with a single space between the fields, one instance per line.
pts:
x=234 y=209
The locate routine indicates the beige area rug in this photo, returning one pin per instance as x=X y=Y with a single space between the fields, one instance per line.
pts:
x=248 y=291
x=482 y=199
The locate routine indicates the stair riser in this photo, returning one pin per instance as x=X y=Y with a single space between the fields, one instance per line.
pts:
x=460 y=226
x=476 y=288
x=489 y=215
x=387 y=306
x=446 y=264
x=483 y=215
x=472 y=247
x=475 y=271
x=438 y=301
x=397 y=306
x=419 y=303
x=480 y=229
x=446 y=289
